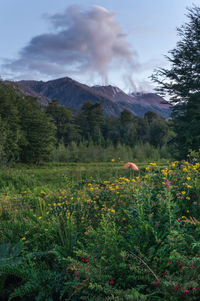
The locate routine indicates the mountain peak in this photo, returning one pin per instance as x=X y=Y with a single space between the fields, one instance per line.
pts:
x=72 y=93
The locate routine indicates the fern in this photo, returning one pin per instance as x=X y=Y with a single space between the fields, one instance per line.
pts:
x=15 y=270
x=10 y=254
x=23 y=290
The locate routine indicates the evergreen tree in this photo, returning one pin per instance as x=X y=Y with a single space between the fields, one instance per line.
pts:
x=26 y=131
x=110 y=131
x=10 y=128
x=90 y=120
x=158 y=133
x=187 y=125
x=127 y=128
x=3 y=136
x=66 y=129
x=182 y=83
x=150 y=117
x=39 y=132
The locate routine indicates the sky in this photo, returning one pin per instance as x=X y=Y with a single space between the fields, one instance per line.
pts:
x=95 y=42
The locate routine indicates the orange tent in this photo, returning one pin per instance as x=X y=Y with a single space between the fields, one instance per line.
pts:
x=131 y=166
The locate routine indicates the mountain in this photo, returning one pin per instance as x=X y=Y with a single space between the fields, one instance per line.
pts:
x=25 y=90
x=136 y=103
x=73 y=94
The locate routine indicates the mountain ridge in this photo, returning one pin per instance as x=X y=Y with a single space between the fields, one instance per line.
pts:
x=72 y=93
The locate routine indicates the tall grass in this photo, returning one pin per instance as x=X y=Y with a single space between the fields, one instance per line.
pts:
x=56 y=176
x=76 y=235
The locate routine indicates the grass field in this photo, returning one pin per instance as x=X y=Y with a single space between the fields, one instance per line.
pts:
x=55 y=176
x=99 y=232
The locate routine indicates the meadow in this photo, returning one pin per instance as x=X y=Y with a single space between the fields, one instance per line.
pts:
x=98 y=232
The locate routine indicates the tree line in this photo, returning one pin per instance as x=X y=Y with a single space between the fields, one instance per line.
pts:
x=30 y=133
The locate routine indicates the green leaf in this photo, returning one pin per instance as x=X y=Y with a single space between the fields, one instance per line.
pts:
x=10 y=254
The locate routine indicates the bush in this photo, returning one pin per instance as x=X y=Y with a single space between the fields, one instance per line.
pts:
x=132 y=237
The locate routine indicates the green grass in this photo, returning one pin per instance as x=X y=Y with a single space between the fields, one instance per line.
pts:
x=99 y=232
x=54 y=176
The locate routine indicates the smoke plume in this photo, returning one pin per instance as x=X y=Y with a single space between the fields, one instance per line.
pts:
x=81 y=42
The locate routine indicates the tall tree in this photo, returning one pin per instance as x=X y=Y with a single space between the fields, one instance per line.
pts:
x=182 y=82
x=66 y=129
x=187 y=125
x=10 y=128
x=90 y=121
x=39 y=132
x=127 y=128
x=3 y=137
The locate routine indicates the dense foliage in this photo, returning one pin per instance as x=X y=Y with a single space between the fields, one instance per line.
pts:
x=123 y=237
x=31 y=133
x=27 y=133
x=91 y=126
x=182 y=82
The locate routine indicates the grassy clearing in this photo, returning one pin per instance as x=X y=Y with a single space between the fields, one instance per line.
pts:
x=55 y=176
x=98 y=232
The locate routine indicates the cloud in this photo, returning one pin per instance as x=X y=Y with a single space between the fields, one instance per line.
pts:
x=81 y=42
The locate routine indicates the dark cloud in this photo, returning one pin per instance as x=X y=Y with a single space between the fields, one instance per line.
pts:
x=80 y=42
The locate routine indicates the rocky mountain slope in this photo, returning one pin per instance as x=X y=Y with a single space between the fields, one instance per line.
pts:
x=73 y=94
x=136 y=103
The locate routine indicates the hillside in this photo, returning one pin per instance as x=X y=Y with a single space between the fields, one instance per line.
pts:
x=73 y=94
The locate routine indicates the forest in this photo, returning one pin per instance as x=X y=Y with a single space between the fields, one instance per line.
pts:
x=31 y=133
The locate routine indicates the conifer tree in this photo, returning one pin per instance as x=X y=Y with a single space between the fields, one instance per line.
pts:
x=182 y=82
